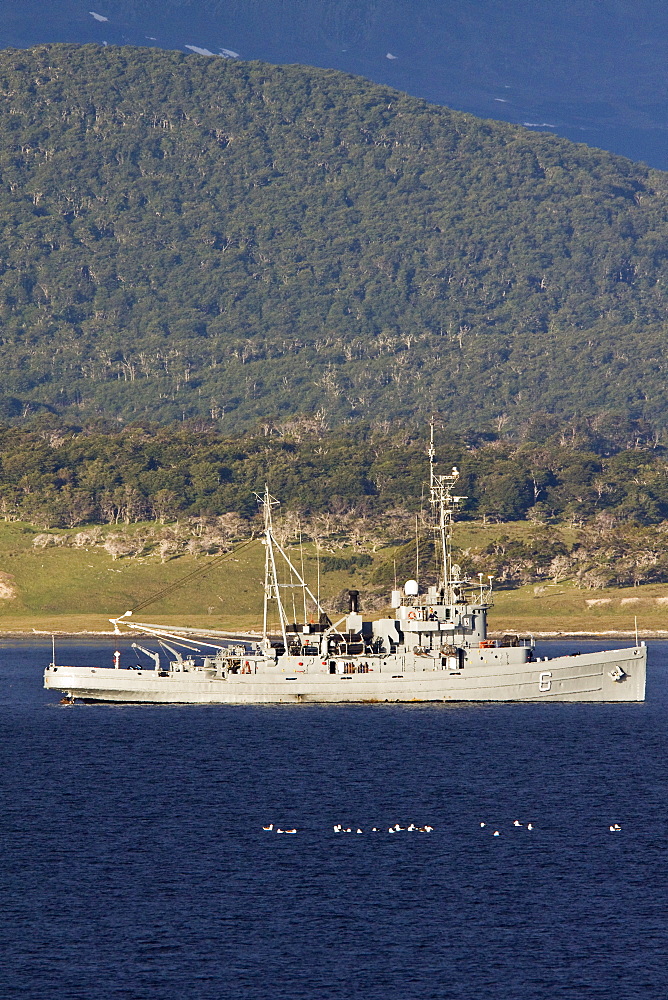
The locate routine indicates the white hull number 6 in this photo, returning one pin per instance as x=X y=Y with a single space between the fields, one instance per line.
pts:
x=545 y=680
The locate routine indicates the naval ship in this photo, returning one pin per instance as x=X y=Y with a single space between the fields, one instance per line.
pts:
x=432 y=646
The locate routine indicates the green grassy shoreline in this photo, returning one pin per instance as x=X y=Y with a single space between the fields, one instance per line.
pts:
x=559 y=615
x=75 y=591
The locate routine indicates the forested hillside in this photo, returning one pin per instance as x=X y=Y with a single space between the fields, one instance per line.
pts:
x=593 y=72
x=586 y=503
x=54 y=476
x=185 y=236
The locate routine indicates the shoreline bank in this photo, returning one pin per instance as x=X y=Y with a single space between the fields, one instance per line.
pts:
x=32 y=632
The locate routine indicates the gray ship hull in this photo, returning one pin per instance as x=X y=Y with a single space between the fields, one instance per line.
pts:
x=609 y=676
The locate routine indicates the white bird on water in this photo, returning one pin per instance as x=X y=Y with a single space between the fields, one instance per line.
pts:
x=482 y=824
x=496 y=833
x=270 y=827
x=517 y=823
x=529 y=826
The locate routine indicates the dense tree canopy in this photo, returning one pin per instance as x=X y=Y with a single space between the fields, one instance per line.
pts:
x=183 y=236
x=57 y=476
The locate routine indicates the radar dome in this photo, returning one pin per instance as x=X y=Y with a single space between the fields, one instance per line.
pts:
x=411 y=588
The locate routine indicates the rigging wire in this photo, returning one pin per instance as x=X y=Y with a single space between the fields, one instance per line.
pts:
x=189 y=577
x=292 y=594
x=301 y=552
x=417 y=549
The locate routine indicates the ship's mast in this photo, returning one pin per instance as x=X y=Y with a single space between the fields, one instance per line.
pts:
x=443 y=506
x=271 y=586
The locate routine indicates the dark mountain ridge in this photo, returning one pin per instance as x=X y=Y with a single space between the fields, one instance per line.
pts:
x=185 y=236
x=592 y=72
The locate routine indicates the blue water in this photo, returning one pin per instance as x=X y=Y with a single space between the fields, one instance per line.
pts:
x=134 y=864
